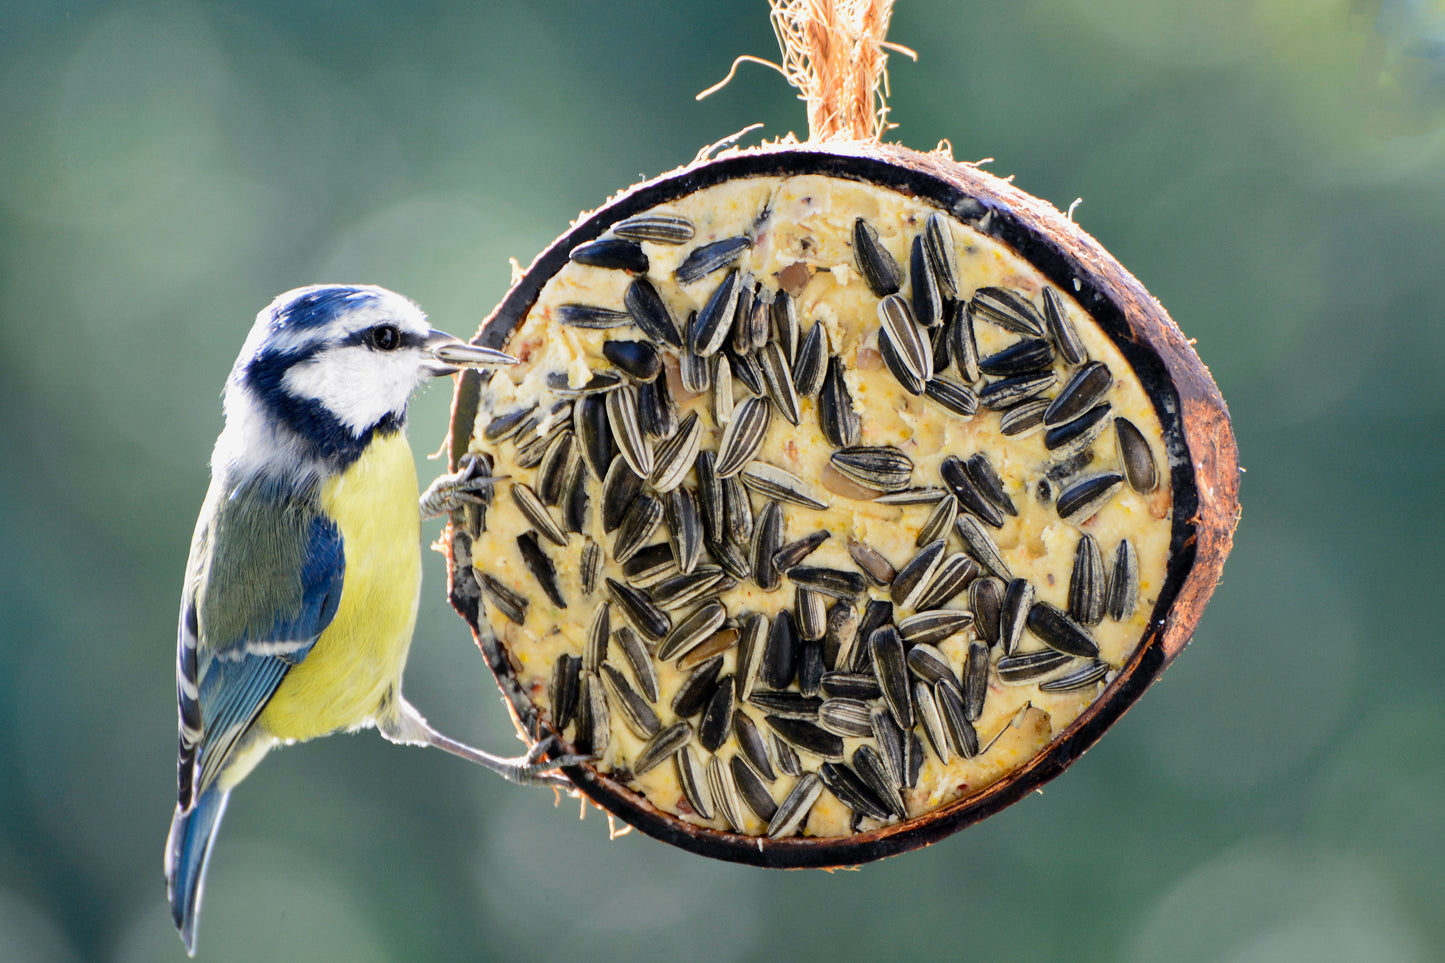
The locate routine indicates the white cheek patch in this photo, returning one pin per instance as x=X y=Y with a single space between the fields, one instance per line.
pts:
x=358 y=385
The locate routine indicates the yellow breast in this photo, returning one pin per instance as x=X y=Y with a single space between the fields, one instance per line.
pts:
x=342 y=682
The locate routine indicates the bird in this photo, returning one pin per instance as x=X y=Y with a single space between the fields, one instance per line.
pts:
x=303 y=581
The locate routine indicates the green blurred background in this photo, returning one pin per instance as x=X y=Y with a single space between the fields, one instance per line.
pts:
x=1271 y=169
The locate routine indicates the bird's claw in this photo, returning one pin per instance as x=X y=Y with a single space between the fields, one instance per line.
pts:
x=463 y=487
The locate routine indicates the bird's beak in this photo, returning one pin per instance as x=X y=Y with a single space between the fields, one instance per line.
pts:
x=453 y=354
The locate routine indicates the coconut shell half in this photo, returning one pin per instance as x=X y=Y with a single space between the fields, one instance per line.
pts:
x=1195 y=448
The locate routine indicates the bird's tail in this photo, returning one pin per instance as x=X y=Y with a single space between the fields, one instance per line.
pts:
x=188 y=850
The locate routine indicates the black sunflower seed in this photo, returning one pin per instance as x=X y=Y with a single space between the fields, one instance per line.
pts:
x=592 y=316
x=914 y=577
x=751 y=743
x=562 y=692
x=589 y=423
x=693 y=694
x=509 y=603
x=638 y=523
x=650 y=313
x=1087 y=386
x=637 y=359
x=1030 y=666
x=780 y=657
x=877 y=266
x=651 y=621
x=1007 y=392
x=638 y=715
x=717 y=717
x=663 y=744
x=752 y=642
x=986 y=480
x=675 y=456
x=932 y=719
x=811 y=363
x=1123 y=582
x=851 y=790
x=807 y=736
x=1018 y=599
x=767 y=539
x=504 y=426
x=891 y=744
x=927 y=299
x=1135 y=459
x=616 y=253
x=985 y=600
x=685 y=526
x=639 y=660
x=752 y=790
x=963 y=346
x=622 y=416
x=692 y=777
x=536 y=513
x=711 y=326
x=891 y=668
x=1022 y=357
x=1007 y=310
x=950 y=578
x=591 y=561
x=850 y=685
x=933 y=626
x=677 y=591
x=1060 y=632
x=795 y=551
x=975 y=680
x=1080 y=500
x=619 y=487
x=970 y=499
x=957 y=728
x=541 y=567
x=1061 y=329
x=1022 y=418
x=833 y=582
x=836 y=415
x=871 y=768
x=1085 y=675
x=599 y=634
x=707 y=258
x=981 y=546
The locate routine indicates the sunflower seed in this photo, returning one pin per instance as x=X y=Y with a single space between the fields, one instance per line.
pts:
x=1078 y=502
x=913 y=578
x=942 y=338
x=876 y=614
x=932 y=719
x=743 y=436
x=845 y=717
x=724 y=793
x=504 y=426
x=773 y=482
x=591 y=316
x=536 y=513
x=751 y=743
x=639 y=360
x=752 y=790
x=890 y=667
x=779 y=381
x=955 y=397
x=540 y=566
x=711 y=326
x=986 y=480
x=747 y=371
x=1007 y=392
x=878 y=467
x=562 y=692
x=938 y=245
x=509 y=603
x=985 y=599
x=1025 y=356
x=795 y=551
x=717 y=716
x=807 y=736
x=927 y=300
x=620 y=487
x=1089 y=384
x=721 y=403
x=692 y=777
x=599 y=632
x=906 y=338
x=833 y=582
x=1018 y=598
x=649 y=566
x=891 y=741
x=950 y=578
x=634 y=708
x=733 y=559
x=787 y=704
x=657 y=228
x=840 y=634
x=981 y=546
x=675 y=456
x=1023 y=418
x=811 y=614
x=1080 y=678
x=788 y=762
x=589 y=423
x=1123 y=582
x=692 y=695
x=1007 y=310
x=810 y=666
x=875 y=774
x=1061 y=329
x=686 y=528
x=556 y=463
x=933 y=626
x=939 y=522
x=962 y=738
x=650 y=313
x=663 y=743
x=1060 y=632
x=1073 y=437
x=1136 y=461
x=929 y=664
x=752 y=641
x=912 y=496
x=708 y=258
x=1029 y=667
x=901 y=372
x=963 y=344
x=811 y=362
x=710 y=497
x=740 y=338
x=876 y=265
x=858 y=686
x=767 y=539
x=594 y=720
x=719 y=642
x=780 y=656
x=617 y=253
x=1087 y=589
x=796 y=805
x=975 y=680
x=638 y=523
x=598 y=383
x=638 y=609
x=875 y=566
x=970 y=499
x=692 y=631
x=851 y=790
x=836 y=416
x=632 y=444
x=786 y=329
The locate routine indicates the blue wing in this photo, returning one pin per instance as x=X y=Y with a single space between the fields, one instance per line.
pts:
x=277 y=601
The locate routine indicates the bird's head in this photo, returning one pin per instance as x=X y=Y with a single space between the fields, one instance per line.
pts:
x=328 y=367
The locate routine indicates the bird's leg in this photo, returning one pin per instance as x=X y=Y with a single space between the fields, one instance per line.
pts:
x=458 y=489
x=406 y=726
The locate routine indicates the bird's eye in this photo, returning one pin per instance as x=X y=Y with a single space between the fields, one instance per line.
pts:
x=384 y=337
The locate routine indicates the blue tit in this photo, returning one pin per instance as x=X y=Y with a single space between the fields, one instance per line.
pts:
x=304 y=575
